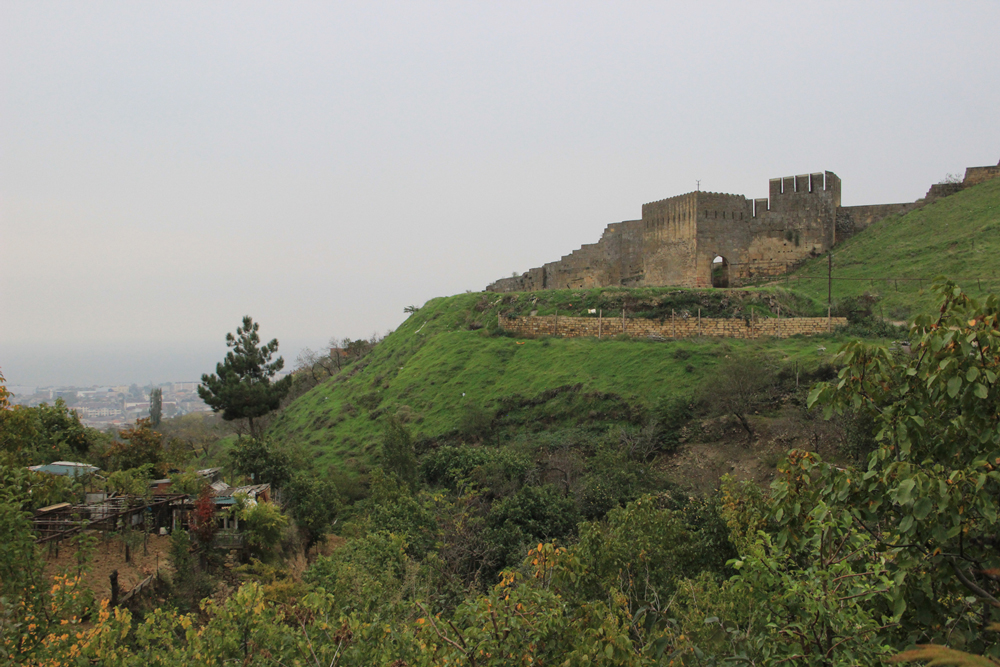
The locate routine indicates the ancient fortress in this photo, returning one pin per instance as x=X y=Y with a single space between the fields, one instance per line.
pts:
x=678 y=239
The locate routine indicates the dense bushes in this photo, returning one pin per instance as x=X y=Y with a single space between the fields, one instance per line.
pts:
x=494 y=470
x=29 y=436
x=569 y=550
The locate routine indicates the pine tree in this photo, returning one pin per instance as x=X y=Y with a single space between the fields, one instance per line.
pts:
x=242 y=387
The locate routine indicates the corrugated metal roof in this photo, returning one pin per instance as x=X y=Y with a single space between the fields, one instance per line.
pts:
x=66 y=468
x=219 y=488
x=226 y=496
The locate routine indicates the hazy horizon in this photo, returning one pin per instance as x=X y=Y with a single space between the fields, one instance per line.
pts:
x=166 y=169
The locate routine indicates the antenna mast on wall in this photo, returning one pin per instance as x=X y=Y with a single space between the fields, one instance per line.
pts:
x=699 y=185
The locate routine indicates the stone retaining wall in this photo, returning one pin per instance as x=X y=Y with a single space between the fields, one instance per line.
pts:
x=676 y=327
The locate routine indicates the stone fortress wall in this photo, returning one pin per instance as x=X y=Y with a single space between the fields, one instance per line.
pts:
x=670 y=328
x=677 y=239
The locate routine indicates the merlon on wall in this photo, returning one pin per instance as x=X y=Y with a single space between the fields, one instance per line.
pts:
x=710 y=239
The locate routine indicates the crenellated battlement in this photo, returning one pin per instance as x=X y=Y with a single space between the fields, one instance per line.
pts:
x=678 y=239
x=820 y=182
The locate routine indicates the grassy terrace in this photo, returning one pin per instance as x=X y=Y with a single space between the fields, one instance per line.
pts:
x=447 y=360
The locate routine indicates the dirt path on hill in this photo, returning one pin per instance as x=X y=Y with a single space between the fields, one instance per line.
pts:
x=109 y=555
x=719 y=447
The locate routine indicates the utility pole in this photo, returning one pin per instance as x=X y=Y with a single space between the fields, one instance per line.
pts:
x=829 y=293
x=699 y=185
x=829 y=280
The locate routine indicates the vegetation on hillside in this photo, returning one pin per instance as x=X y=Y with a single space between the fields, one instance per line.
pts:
x=499 y=500
x=451 y=376
x=550 y=552
x=957 y=237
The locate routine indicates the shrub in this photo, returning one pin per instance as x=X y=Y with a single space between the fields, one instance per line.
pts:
x=367 y=574
x=394 y=509
x=475 y=423
x=261 y=460
x=533 y=514
x=672 y=414
x=313 y=503
x=501 y=471
x=742 y=383
x=874 y=327
x=263 y=524
x=398 y=455
x=614 y=479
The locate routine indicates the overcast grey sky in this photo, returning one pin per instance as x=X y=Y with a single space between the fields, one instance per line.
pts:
x=167 y=167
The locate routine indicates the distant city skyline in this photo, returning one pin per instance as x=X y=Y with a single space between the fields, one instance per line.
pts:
x=167 y=168
x=117 y=364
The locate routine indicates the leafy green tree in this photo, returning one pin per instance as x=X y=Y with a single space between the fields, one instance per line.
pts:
x=262 y=525
x=35 y=609
x=190 y=583
x=132 y=482
x=931 y=494
x=156 y=406
x=827 y=595
x=241 y=387
x=743 y=382
x=137 y=446
x=45 y=433
x=368 y=573
x=188 y=481
x=398 y=455
x=395 y=509
x=531 y=515
x=262 y=461
x=313 y=502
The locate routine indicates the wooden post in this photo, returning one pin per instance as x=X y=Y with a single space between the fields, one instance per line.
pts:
x=600 y=322
x=829 y=322
x=114 y=588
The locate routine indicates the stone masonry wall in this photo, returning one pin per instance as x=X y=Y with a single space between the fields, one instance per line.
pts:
x=677 y=327
x=977 y=175
x=669 y=240
x=678 y=238
x=853 y=219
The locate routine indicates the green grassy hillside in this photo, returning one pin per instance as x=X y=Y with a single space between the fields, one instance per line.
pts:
x=957 y=236
x=446 y=367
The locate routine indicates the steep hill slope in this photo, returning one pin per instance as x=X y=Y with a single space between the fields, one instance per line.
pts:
x=446 y=369
x=957 y=236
